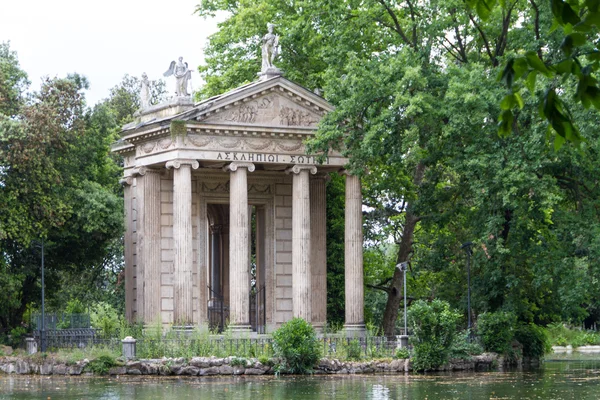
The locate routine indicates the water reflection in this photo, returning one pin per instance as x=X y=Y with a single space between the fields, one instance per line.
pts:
x=557 y=380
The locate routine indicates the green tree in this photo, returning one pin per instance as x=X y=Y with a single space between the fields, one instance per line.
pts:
x=124 y=99
x=416 y=107
x=57 y=184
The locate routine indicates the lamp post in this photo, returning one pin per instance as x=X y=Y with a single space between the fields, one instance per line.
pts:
x=404 y=338
x=43 y=331
x=467 y=248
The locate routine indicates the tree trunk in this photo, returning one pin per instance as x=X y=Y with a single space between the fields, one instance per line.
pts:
x=395 y=294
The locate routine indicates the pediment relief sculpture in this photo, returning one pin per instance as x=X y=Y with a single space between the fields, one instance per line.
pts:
x=269 y=110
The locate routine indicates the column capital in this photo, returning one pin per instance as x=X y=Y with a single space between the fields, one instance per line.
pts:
x=239 y=164
x=143 y=170
x=216 y=229
x=296 y=169
x=179 y=162
x=126 y=181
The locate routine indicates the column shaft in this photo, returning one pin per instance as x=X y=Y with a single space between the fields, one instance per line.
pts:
x=301 y=280
x=353 y=255
x=239 y=254
x=183 y=252
x=148 y=239
x=128 y=250
x=318 y=242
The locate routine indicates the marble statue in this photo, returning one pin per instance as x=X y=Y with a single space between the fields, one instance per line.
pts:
x=270 y=49
x=183 y=76
x=145 y=92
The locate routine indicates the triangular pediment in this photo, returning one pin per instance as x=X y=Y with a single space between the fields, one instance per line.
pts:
x=272 y=103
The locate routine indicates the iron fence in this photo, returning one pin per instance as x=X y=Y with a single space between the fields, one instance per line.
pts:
x=55 y=321
x=75 y=338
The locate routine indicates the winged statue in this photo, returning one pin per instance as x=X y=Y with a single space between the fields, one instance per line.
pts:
x=182 y=74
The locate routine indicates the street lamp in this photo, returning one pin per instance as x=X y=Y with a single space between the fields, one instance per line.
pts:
x=403 y=266
x=43 y=327
x=467 y=248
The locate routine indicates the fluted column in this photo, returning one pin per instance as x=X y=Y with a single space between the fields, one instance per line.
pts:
x=215 y=268
x=183 y=290
x=128 y=248
x=353 y=256
x=301 y=276
x=318 y=243
x=148 y=242
x=239 y=254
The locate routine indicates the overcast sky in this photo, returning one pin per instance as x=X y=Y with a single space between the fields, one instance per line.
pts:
x=104 y=40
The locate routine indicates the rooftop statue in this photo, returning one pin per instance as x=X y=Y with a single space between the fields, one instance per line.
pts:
x=182 y=74
x=270 y=50
x=145 y=92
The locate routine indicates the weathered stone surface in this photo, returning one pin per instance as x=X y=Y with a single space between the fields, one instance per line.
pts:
x=46 y=368
x=76 y=369
x=189 y=370
x=6 y=350
x=117 y=371
x=209 y=371
x=215 y=362
x=200 y=362
x=225 y=370
x=133 y=371
x=237 y=370
x=254 y=371
x=149 y=368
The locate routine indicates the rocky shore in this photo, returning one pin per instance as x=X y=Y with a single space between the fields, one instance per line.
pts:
x=209 y=366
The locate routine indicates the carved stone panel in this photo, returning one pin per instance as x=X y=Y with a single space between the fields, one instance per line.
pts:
x=269 y=110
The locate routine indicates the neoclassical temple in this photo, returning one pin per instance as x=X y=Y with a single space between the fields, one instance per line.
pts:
x=226 y=213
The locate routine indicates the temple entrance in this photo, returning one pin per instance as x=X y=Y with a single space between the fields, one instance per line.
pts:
x=218 y=271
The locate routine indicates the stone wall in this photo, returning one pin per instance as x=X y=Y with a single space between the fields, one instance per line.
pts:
x=206 y=366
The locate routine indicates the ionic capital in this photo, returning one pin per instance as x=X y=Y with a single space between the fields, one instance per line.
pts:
x=178 y=163
x=144 y=170
x=126 y=181
x=239 y=164
x=299 y=167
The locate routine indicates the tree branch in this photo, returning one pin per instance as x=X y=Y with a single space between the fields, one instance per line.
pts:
x=536 y=27
x=397 y=26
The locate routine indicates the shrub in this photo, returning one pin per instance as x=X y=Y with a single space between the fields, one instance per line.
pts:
x=296 y=344
x=102 y=364
x=534 y=340
x=402 y=353
x=353 y=350
x=497 y=330
x=105 y=318
x=463 y=348
x=237 y=362
x=434 y=328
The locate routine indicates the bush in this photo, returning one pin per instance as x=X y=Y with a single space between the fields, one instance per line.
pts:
x=463 y=348
x=402 y=353
x=353 y=350
x=105 y=318
x=434 y=328
x=296 y=344
x=102 y=364
x=497 y=330
x=534 y=340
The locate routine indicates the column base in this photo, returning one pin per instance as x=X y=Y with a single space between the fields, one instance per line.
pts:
x=240 y=330
x=319 y=326
x=355 y=330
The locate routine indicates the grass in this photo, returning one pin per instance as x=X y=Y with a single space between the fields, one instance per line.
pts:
x=562 y=335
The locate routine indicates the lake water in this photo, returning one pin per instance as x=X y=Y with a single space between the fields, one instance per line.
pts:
x=577 y=378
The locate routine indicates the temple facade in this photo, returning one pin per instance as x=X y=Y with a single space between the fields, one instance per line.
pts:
x=226 y=212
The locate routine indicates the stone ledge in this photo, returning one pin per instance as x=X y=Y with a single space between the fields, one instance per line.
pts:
x=211 y=366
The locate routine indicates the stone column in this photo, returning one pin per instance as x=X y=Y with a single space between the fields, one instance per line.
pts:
x=318 y=244
x=239 y=238
x=148 y=241
x=183 y=287
x=353 y=256
x=215 y=267
x=128 y=248
x=301 y=274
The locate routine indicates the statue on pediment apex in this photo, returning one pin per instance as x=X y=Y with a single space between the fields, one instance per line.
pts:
x=270 y=50
x=183 y=76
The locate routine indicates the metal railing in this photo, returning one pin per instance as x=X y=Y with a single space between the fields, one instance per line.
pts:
x=55 y=321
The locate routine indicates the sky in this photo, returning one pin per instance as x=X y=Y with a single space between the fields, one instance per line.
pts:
x=104 y=40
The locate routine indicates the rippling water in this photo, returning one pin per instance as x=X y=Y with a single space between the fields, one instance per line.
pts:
x=558 y=379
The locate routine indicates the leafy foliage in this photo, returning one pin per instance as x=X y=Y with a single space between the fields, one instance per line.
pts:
x=497 y=330
x=296 y=344
x=433 y=328
x=534 y=340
